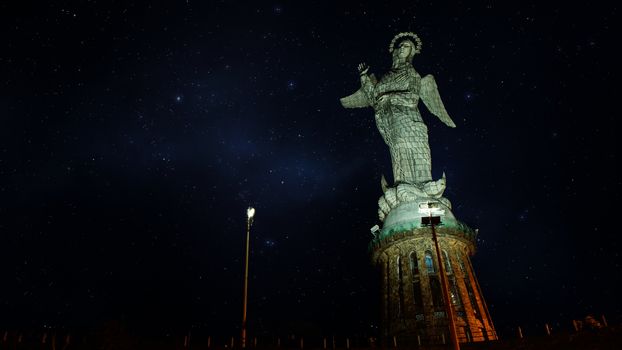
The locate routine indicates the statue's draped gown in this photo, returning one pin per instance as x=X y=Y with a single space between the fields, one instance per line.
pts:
x=400 y=124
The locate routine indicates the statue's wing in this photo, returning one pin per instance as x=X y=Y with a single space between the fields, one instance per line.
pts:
x=431 y=98
x=356 y=100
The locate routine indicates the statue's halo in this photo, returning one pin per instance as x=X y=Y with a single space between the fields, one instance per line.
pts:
x=406 y=35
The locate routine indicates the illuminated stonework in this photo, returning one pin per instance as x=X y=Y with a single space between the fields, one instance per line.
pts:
x=412 y=304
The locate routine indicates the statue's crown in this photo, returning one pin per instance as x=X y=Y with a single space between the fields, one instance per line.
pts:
x=406 y=35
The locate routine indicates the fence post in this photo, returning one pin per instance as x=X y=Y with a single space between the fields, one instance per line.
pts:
x=209 y=341
x=302 y=342
x=347 y=343
x=67 y=341
x=232 y=342
x=604 y=320
x=547 y=328
x=324 y=343
x=394 y=342
x=520 y=333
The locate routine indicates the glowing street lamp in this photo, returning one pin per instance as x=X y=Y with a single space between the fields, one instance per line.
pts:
x=434 y=212
x=250 y=213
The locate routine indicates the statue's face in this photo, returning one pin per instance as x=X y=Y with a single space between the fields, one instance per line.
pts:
x=405 y=48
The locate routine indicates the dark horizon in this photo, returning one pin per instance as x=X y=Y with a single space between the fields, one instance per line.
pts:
x=134 y=136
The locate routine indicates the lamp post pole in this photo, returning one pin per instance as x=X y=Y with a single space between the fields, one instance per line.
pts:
x=453 y=334
x=250 y=213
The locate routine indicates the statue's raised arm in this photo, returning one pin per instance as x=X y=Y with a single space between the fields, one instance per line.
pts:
x=363 y=97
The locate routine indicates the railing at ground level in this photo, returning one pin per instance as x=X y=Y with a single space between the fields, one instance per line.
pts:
x=579 y=337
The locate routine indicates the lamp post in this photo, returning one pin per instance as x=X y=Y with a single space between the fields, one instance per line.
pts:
x=432 y=208
x=250 y=213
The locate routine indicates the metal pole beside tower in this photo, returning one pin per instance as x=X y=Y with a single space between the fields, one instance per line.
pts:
x=432 y=208
x=250 y=213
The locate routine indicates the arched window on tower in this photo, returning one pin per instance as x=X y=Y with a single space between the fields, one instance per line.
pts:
x=388 y=297
x=460 y=263
x=417 y=298
x=414 y=265
x=429 y=262
x=472 y=299
x=400 y=287
x=448 y=269
x=437 y=296
x=454 y=294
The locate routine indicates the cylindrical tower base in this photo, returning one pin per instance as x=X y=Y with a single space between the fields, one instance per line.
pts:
x=412 y=303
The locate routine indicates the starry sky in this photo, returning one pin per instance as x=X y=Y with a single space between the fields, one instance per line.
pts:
x=133 y=136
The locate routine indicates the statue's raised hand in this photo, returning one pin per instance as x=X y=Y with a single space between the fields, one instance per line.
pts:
x=363 y=68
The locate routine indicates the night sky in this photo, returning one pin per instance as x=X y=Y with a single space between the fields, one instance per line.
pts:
x=134 y=136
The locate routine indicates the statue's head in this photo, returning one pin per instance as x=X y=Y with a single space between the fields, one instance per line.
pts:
x=404 y=47
x=404 y=51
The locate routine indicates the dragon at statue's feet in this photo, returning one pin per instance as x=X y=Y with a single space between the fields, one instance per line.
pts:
x=406 y=193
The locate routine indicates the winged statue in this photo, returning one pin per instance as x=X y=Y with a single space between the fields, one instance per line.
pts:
x=394 y=99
